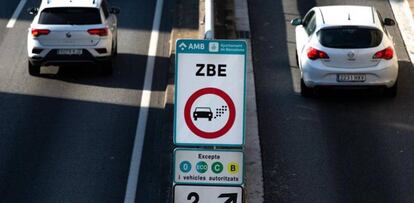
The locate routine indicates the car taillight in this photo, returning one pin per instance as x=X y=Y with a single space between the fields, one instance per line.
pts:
x=100 y=32
x=386 y=54
x=314 y=54
x=38 y=32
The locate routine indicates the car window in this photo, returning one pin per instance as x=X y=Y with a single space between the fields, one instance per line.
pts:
x=72 y=16
x=307 y=18
x=350 y=37
x=105 y=9
x=310 y=28
x=202 y=109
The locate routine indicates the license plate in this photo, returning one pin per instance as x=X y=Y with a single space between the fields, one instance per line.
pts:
x=351 y=77
x=69 y=52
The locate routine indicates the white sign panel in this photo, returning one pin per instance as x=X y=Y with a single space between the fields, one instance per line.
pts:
x=207 y=194
x=208 y=167
x=210 y=93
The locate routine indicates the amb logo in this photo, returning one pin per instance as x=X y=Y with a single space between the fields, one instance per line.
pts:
x=196 y=46
x=191 y=46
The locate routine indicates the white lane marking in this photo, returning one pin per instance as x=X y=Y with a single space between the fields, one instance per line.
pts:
x=131 y=189
x=404 y=18
x=16 y=14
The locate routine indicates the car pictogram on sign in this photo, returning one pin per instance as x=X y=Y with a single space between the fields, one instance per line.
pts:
x=202 y=112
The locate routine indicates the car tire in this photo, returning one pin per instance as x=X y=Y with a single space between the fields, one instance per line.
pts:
x=297 y=58
x=115 y=49
x=107 y=67
x=305 y=91
x=33 y=69
x=391 y=91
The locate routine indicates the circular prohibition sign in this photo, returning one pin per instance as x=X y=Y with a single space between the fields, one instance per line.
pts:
x=225 y=128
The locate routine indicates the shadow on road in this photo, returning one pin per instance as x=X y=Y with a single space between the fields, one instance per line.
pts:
x=48 y=147
x=126 y=72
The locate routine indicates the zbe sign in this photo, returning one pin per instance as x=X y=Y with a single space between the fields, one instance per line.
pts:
x=210 y=93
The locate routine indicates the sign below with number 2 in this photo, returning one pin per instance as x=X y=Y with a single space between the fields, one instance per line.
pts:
x=211 y=194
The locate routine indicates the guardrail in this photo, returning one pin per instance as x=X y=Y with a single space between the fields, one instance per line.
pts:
x=209 y=19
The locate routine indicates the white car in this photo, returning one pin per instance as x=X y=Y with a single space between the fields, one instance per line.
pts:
x=75 y=31
x=345 y=46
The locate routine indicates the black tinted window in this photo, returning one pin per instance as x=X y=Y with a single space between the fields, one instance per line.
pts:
x=350 y=37
x=307 y=18
x=310 y=28
x=105 y=9
x=72 y=16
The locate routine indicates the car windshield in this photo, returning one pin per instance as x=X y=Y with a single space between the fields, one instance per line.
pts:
x=350 y=37
x=203 y=109
x=71 y=16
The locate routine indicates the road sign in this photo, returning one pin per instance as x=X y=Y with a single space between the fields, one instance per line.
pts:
x=210 y=93
x=208 y=167
x=210 y=194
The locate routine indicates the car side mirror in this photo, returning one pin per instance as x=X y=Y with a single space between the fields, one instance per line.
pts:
x=115 y=10
x=32 y=11
x=389 y=22
x=296 y=22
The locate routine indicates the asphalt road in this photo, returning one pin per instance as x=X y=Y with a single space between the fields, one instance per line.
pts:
x=343 y=146
x=67 y=136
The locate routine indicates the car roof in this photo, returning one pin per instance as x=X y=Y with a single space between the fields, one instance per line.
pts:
x=348 y=16
x=71 y=3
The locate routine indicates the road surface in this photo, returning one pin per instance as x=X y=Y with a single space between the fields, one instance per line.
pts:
x=344 y=146
x=67 y=136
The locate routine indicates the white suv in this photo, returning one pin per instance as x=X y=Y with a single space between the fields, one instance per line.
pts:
x=345 y=46
x=72 y=31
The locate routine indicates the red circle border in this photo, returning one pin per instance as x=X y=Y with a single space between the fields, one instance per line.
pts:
x=226 y=127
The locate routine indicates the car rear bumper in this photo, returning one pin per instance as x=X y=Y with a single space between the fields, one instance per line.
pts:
x=316 y=74
x=52 y=58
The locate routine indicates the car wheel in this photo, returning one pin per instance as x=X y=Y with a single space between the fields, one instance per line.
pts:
x=195 y=118
x=115 y=49
x=305 y=91
x=297 y=58
x=107 y=67
x=391 y=91
x=33 y=69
